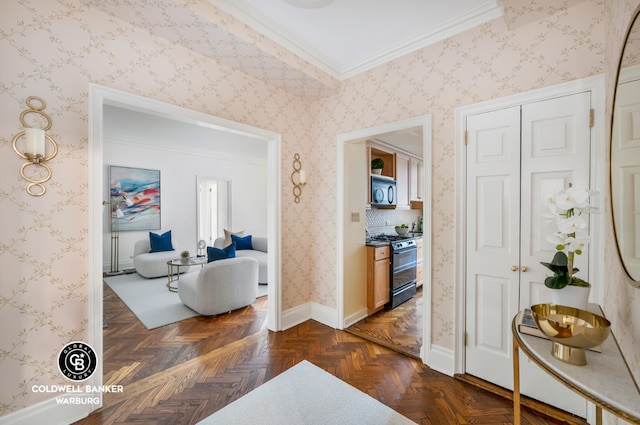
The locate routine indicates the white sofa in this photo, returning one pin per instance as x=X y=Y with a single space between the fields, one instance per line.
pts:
x=220 y=286
x=151 y=264
x=259 y=252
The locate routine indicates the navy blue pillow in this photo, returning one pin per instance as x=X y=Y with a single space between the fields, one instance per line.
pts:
x=242 y=242
x=160 y=243
x=214 y=253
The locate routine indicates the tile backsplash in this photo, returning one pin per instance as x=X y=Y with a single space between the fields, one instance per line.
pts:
x=384 y=220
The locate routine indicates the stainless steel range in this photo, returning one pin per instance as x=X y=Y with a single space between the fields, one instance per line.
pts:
x=404 y=259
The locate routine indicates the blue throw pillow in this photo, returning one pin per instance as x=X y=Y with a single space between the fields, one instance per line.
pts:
x=160 y=243
x=242 y=242
x=214 y=253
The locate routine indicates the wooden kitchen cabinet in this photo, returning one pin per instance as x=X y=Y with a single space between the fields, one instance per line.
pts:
x=402 y=181
x=376 y=151
x=415 y=179
x=389 y=158
x=419 y=265
x=378 y=276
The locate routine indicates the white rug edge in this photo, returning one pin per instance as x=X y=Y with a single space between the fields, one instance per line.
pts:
x=263 y=408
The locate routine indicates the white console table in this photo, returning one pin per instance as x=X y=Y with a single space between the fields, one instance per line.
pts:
x=605 y=380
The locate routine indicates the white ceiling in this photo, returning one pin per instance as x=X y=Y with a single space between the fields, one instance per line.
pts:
x=346 y=37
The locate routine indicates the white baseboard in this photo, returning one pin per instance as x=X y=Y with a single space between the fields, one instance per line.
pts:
x=325 y=315
x=441 y=360
x=355 y=317
x=296 y=315
x=49 y=412
x=302 y=313
x=122 y=265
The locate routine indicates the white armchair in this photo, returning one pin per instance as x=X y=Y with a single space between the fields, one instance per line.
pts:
x=151 y=264
x=220 y=286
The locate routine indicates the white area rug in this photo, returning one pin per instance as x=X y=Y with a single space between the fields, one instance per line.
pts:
x=306 y=395
x=150 y=299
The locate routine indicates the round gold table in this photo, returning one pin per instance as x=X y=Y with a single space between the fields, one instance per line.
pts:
x=174 y=266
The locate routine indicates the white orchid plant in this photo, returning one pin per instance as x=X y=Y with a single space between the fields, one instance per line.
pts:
x=568 y=209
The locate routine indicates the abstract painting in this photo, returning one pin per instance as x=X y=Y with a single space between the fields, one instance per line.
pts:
x=136 y=193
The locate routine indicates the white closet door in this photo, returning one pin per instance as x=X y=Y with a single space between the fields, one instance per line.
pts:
x=556 y=140
x=493 y=242
x=515 y=158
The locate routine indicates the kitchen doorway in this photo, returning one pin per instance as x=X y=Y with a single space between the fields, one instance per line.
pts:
x=353 y=175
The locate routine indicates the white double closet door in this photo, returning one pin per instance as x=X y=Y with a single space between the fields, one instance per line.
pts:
x=516 y=157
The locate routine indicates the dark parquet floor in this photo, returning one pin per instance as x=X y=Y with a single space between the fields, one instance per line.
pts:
x=183 y=372
x=399 y=329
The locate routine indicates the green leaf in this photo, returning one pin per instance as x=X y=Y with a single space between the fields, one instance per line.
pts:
x=555 y=268
x=560 y=259
x=576 y=281
x=556 y=282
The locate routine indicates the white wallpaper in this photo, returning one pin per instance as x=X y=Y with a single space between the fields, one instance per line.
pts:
x=54 y=49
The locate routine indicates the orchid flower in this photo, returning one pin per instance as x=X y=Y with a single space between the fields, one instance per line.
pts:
x=566 y=208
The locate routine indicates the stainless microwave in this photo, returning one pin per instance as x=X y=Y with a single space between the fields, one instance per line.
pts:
x=383 y=192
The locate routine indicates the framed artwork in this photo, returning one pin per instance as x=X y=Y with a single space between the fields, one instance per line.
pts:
x=135 y=192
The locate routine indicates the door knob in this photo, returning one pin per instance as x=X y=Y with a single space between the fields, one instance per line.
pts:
x=514 y=268
x=524 y=268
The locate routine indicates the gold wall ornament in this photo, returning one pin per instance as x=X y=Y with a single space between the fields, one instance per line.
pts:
x=301 y=179
x=34 y=150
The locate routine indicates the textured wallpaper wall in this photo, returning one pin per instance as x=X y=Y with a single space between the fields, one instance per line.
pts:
x=54 y=49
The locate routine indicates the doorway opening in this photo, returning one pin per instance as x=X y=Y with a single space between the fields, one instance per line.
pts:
x=99 y=98
x=353 y=175
x=213 y=208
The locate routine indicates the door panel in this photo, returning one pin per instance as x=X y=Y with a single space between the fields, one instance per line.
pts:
x=492 y=291
x=492 y=216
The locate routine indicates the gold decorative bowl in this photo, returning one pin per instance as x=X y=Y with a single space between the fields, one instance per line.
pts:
x=571 y=330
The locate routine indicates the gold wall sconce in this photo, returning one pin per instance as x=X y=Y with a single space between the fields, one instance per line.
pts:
x=298 y=181
x=34 y=147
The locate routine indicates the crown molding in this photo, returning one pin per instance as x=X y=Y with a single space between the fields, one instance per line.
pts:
x=484 y=13
x=277 y=33
x=487 y=11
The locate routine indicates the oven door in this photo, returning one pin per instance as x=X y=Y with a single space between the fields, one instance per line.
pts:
x=404 y=267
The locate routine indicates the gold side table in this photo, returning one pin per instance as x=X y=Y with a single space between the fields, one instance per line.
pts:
x=173 y=269
x=605 y=380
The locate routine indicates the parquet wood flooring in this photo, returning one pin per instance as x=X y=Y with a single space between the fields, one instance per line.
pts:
x=184 y=372
x=399 y=329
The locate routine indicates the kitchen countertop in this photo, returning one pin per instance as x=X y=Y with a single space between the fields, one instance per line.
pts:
x=375 y=243
x=378 y=243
